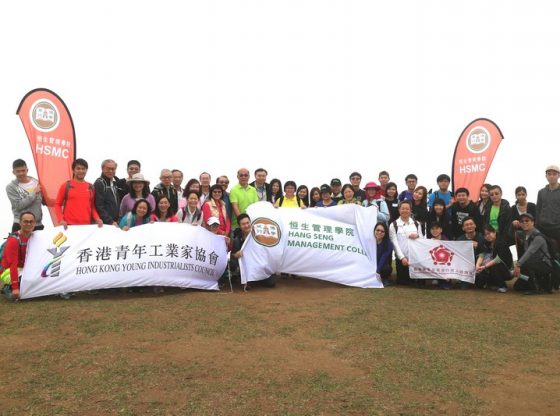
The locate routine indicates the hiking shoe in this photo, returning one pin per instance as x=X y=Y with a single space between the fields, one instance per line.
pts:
x=502 y=290
x=7 y=291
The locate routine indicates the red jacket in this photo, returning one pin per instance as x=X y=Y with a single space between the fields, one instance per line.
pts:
x=14 y=257
x=79 y=207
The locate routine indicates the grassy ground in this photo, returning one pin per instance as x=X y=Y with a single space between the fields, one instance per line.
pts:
x=303 y=348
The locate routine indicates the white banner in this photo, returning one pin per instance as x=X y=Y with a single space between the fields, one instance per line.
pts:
x=436 y=259
x=334 y=244
x=87 y=257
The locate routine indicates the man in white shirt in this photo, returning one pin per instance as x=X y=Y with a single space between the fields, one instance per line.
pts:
x=401 y=232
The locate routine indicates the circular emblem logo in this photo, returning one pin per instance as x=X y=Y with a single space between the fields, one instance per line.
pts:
x=265 y=232
x=44 y=115
x=478 y=140
x=442 y=255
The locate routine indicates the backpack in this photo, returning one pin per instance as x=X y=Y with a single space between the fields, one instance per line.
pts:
x=67 y=190
x=416 y=223
x=281 y=199
x=6 y=278
x=197 y=216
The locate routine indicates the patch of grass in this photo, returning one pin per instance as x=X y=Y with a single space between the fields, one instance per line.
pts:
x=351 y=351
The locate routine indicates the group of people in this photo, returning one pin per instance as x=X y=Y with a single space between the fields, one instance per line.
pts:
x=490 y=223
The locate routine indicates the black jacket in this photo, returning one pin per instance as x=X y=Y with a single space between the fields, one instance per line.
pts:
x=170 y=193
x=504 y=220
x=107 y=199
x=459 y=213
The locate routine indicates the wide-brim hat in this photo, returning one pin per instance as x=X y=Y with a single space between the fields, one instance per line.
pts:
x=137 y=177
x=371 y=185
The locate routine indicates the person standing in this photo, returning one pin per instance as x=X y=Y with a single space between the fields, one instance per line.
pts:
x=498 y=215
x=355 y=180
x=241 y=196
x=75 y=201
x=132 y=168
x=461 y=209
x=384 y=179
x=215 y=207
x=411 y=180
x=223 y=181
x=204 y=187
x=382 y=210
x=263 y=189
x=401 y=231
x=548 y=205
x=166 y=188
x=326 y=199
x=443 y=192
x=290 y=198
x=336 y=186
x=24 y=193
x=107 y=194
x=139 y=189
x=177 y=180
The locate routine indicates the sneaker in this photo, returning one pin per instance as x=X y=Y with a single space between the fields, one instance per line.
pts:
x=7 y=291
x=65 y=295
x=502 y=290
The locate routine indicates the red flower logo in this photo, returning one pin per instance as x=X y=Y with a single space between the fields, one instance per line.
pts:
x=442 y=255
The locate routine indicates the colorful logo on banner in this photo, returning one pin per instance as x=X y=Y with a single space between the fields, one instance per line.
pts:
x=44 y=115
x=474 y=153
x=266 y=232
x=478 y=140
x=50 y=130
x=57 y=253
x=442 y=255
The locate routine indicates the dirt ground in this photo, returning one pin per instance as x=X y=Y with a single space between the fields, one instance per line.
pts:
x=266 y=351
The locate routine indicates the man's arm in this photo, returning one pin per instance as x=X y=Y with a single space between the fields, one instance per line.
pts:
x=19 y=200
x=99 y=206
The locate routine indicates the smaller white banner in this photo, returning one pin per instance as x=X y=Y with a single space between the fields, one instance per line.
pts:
x=87 y=257
x=436 y=259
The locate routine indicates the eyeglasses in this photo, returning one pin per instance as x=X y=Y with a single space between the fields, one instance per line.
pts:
x=525 y=220
x=243 y=175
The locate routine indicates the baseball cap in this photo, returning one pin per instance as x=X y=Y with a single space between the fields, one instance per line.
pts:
x=213 y=220
x=325 y=188
x=526 y=214
x=336 y=181
x=371 y=185
x=552 y=167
